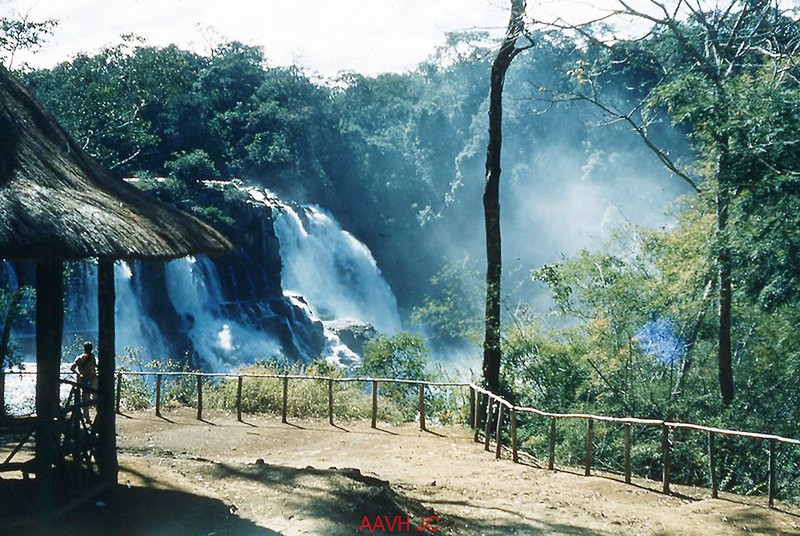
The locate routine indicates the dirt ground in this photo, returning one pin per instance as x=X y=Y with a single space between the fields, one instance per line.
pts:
x=219 y=476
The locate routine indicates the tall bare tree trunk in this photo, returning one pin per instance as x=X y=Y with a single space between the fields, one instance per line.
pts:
x=724 y=356
x=491 y=197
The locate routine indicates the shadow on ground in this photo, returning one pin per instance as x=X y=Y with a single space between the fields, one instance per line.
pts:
x=342 y=500
x=142 y=511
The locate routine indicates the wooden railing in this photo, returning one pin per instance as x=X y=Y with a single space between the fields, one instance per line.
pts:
x=495 y=413
x=329 y=381
x=495 y=401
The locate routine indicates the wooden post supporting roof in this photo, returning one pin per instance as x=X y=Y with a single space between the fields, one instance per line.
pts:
x=106 y=427
x=49 y=326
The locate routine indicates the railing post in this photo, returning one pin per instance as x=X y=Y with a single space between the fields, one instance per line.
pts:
x=285 y=400
x=514 y=454
x=476 y=423
x=374 y=403
x=498 y=434
x=421 y=406
x=199 y=397
x=589 y=441
x=771 y=473
x=627 y=431
x=119 y=393
x=552 y=462
x=666 y=456
x=487 y=431
x=330 y=402
x=471 y=418
x=239 y=399
x=712 y=463
x=158 y=395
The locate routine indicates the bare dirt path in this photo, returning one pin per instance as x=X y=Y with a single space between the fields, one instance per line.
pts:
x=183 y=476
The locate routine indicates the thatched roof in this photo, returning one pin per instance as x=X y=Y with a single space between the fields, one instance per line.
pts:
x=57 y=202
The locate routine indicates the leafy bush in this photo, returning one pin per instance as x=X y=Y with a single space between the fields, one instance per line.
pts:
x=191 y=167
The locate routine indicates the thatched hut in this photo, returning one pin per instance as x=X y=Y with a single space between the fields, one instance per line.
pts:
x=56 y=203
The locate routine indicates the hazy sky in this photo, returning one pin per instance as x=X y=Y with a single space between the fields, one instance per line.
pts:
x=326 y=36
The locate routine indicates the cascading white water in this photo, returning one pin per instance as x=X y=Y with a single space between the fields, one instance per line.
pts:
x=134 y=327
x=219 y=340
x=332 y=270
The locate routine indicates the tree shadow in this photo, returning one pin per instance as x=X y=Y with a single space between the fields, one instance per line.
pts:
x=140 y=510
x=343 y=498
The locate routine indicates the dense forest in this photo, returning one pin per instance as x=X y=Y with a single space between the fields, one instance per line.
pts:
x=650 y=196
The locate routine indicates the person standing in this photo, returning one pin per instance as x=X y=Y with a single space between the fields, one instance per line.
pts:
x=85 y=367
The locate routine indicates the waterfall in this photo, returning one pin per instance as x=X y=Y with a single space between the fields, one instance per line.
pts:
x=134 y=328
x=295 y=281
x=221 y=340
x=335 y=273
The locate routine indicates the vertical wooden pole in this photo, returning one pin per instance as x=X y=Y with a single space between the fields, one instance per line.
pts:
x=107 y=463
x=514 y=453
x=487 y=431
x=285 y=403
x=330 y=401
x=552 y=462
x=472 y=406
x=239 y=382
x=158 y=395
x=771 y=473
x=119 y=393
x=374 y=403
x=477 y=424
x=712 y=464
x=589 y=441
x=49 y=327
x=498 y=434
x=421 y=406
x=199 y=397
x=666 y=456
x=627 y=431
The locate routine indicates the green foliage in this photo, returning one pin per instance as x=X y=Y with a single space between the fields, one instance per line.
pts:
x=215 y=217
x=13 y=306
x=305 y=398
x=134 y=392
x=191 y=167
x=452 y=312
x=401 y=356
x=597 y=353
